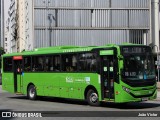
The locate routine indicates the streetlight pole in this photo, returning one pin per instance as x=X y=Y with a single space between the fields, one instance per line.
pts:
x=51 y=19
x=50 y=26
x=157 y=60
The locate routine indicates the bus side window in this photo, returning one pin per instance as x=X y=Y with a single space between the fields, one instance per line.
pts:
x=88 y=62
x=53 y=63
x=93 y=63
x=7 y=64
x=38 y=63
x=56 y=63
x=69 y=62
x=47 y=63
x=27 y=64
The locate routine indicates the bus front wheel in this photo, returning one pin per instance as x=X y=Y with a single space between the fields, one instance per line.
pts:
x=32 y=94
x=92 y=98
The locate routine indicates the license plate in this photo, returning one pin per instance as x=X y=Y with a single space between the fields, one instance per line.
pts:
x=144 y=99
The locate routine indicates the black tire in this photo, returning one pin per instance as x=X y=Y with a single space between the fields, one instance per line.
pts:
x=31 y=92
x=92 y=98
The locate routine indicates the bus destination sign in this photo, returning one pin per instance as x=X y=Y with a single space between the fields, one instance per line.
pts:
x=130 y=50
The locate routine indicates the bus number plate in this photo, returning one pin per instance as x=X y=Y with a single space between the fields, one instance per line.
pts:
x=144 y=99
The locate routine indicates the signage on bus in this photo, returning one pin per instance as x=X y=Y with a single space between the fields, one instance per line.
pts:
x=132 y=49
x=106 y=52
x=17 y=57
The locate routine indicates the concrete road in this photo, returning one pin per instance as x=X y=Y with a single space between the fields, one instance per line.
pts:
x=12 y=102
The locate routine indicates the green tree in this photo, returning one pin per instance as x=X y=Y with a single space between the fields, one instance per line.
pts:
x=1 y=53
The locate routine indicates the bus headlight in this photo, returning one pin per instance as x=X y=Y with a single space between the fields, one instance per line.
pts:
x=126 y=89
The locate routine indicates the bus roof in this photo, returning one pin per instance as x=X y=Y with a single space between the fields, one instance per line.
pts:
x=64 y=49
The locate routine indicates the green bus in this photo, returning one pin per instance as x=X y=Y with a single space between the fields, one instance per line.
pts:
x=114 y=73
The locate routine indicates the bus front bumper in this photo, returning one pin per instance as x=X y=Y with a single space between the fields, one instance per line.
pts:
x=124 y=96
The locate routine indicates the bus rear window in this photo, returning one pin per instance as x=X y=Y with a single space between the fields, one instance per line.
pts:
x=7 y=64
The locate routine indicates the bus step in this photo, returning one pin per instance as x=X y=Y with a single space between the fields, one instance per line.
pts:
x=108 y=100
x=18 y=93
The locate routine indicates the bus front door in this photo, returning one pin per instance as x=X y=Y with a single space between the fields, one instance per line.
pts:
x=107 y=76
x=17 y=65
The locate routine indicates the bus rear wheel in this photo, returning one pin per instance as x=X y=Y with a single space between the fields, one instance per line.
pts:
x=92 y=98
x=31 y=92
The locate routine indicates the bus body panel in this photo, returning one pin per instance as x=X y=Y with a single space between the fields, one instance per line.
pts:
x=8 y=82
x=66 y=85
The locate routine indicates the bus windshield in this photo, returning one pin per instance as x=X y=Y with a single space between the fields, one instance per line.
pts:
x=138 y=66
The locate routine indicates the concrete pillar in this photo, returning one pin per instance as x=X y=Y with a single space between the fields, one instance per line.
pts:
x=155 y=23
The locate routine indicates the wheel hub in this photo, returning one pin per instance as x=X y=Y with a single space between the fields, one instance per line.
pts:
x=32 y=93
x=94 y=97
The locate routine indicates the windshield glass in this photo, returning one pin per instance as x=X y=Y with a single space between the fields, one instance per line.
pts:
x=138 y=66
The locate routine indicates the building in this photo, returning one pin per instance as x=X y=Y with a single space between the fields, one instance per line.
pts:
x=0 y=20
x=7 y=45
x=91 y=22
x=29 y=22
x=86 y=22
x=11 y=29
x=20 y=25
x=17 y=26
x=159 y=19
x=13 y=25
x=2 y=23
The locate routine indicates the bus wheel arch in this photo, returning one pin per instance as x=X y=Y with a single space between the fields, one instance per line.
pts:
x=91 y=95
x=31 y=91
